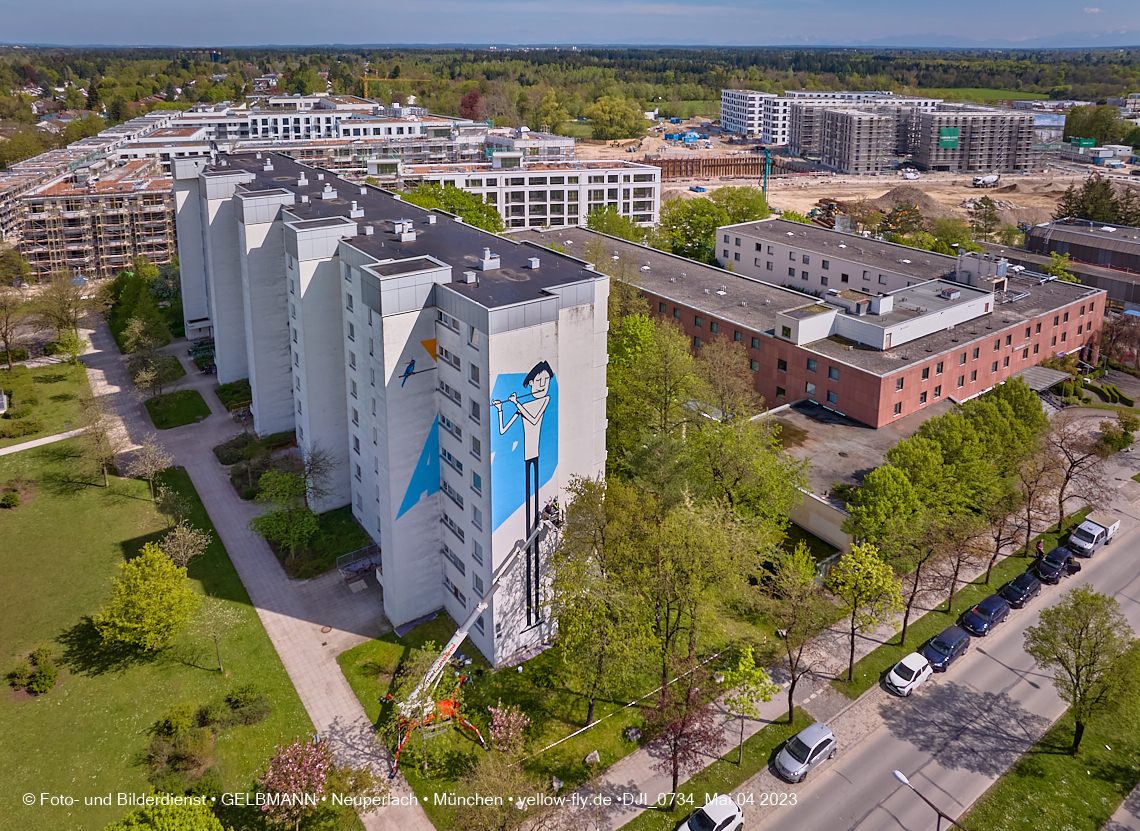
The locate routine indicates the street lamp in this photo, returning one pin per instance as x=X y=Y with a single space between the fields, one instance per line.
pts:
x=941 y=816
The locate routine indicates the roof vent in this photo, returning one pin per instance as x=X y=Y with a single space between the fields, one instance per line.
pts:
x=259 y=155
x=302 y=181
x=304 y=199
x=355 y=211
x=321 y=176
x=672 y=279
x=532 y=262
x=431 y=219
x=743 y=302
x=488 y=261
x=470 y=277
x=364 y=191
x=369 y=230
x=268 y=166
x=404 y=231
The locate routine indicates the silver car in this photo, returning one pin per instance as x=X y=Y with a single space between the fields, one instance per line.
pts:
x=804 y=752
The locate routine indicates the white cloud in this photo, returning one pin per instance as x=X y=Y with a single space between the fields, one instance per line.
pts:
x=1091 y=11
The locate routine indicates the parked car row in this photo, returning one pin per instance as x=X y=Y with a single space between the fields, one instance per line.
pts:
x=951 y=644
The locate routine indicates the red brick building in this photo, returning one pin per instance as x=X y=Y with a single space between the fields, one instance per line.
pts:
x=873 y=357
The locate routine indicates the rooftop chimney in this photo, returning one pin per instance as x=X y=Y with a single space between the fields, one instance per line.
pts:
x=488 y=261
x=355 y=212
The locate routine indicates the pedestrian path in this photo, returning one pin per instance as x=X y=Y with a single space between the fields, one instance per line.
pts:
x=28 y=445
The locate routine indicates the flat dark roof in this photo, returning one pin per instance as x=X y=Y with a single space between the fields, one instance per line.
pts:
x=453 y=242
x=699 y=286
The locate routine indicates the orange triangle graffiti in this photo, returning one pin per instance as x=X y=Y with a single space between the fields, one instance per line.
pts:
x=429 y=345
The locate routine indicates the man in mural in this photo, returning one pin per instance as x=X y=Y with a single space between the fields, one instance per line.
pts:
x=531 y=409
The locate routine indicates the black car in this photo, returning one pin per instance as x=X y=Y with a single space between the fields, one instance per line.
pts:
x=1020 y=590
x=979 y=620
x=947 y=647
x=1058 y=563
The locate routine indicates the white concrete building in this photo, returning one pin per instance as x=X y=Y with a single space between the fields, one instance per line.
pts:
x=741 y=111
x=459 y=377
x=535 y=195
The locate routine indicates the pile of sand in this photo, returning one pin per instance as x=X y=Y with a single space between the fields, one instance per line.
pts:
x=910 y=196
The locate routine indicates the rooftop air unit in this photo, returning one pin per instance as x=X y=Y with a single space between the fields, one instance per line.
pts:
x=488 y=261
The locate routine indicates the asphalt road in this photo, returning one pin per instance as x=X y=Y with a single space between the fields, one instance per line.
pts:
x=962 y=729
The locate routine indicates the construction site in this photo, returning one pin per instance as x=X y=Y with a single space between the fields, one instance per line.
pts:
x=96 y=219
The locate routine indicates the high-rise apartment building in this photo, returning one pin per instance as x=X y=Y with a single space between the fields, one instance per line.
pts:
x=459 y=378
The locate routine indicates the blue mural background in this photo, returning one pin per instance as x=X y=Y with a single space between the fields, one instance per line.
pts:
x=508 y=472
x=425 y=478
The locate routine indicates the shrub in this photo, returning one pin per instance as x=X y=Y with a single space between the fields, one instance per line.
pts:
x=20 y=427
x=44 y=678
x=209 y=786
x=16 y=413
x=242 y=696
x=52 y=348
x=233 y=451
x=30 y=400
x=177 y=722
x=249 y=494
x=192 y=749
x=235 y=395
x=216 y=714
x=168 y=780
x=279 y=441
x=1071 y=400
x=20 y=675
x=10 y=499
x=42 y=656
x=18 y=354
x=254 y=712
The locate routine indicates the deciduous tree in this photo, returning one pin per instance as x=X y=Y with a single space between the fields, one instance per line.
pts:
x=1080 y=468
x=686 y=731
x=14 y=316
x=150 y=601
x=748 y=686
x=184 y=542
x=149 y=461
x=300 y=768
x=100 y=441
x=868 y=590
x=1087 y=643
x=616 y=118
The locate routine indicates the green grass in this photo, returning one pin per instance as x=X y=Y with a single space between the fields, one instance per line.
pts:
x=723 y=776
x=174 y=409
x=539 y=690
x=1136 y=478
x=57 y=388
x=339 y=533
x=59 y=552
x=235 y=395
x=1048 y=788
x=979 y=94
x=577 y=129
x=869 y=669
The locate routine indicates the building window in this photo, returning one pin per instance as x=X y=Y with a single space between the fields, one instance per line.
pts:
x=938 y=391
x=809 y=388
x=473 y=374
x=756 y=341
x=1056 y=320
x=811 y=364
x=698 y=322
x=997 y=344
x=371 y=347
x=348 y=302
x=781 y=365
x=844 y=278
x=993 y=367
x=833 y=373
x=476 y=412
x=1005 y=361
x=792 y=256
x=476 y=517
x=768 y=266
x=961 y=381
x=351 y=332
x=713 y=327
x=697 y=343
x=676 y=313
x=962 y=360
x=898 y=384
x=661 y=308
x=477 y=554
x=926 y=373
x=356 y=444
x=1037 y=329
x=1080 y=329
x=1054 y=341
x=352 y=360
x=355 y=414
x=803 y=275
x=973 y=376
x=1026 y=331
x=1036 y=347
x=353 y=388
x=1064 y=336
x=294 y=336
x=898 y=408
x=882 y=280
x=832 y=397
x=476 y=482
x=293 y=310
x=976 y=354
x=792 y=271
x=826 y=265
x=736 y=256
x=357 y=474
x=938 y=368
x=738 y=336
x=477 y=584
x=1008 y=340
x=476 y=448
x=781 y=393
x=922 y=397
x=754 y=365
x=1066 y=320
x=807 y=261
x=823 y=281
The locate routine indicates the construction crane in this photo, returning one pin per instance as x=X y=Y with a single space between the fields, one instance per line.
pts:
x=419 y=709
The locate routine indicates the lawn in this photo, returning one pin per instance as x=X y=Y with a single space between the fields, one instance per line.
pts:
x=979 y=94
x=49 y=393
x=539 y=690
x=1082 y=792
x=871 y=668
x=577 y=129
x=83 y=738
x=339 y=533
x=235 y=395
x=174 y=409
x=723 y=776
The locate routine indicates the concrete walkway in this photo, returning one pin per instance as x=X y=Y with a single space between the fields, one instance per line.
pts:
x=28 y=445
x=310 y=622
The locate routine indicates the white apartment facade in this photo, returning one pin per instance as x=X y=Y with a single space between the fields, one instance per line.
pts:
x=460 y=378
x=537 y=195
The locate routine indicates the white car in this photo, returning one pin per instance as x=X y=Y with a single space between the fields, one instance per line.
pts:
x=721 y=814
x=908 y=673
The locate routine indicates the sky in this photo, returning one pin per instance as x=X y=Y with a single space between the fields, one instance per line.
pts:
x=223 y=23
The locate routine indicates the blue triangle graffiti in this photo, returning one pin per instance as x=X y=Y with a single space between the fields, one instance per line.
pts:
x=425 y=478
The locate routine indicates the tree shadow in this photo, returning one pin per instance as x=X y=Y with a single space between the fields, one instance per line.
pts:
x=62 y=396
x=50 y=378
x=85 y=652
x=981 y=732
